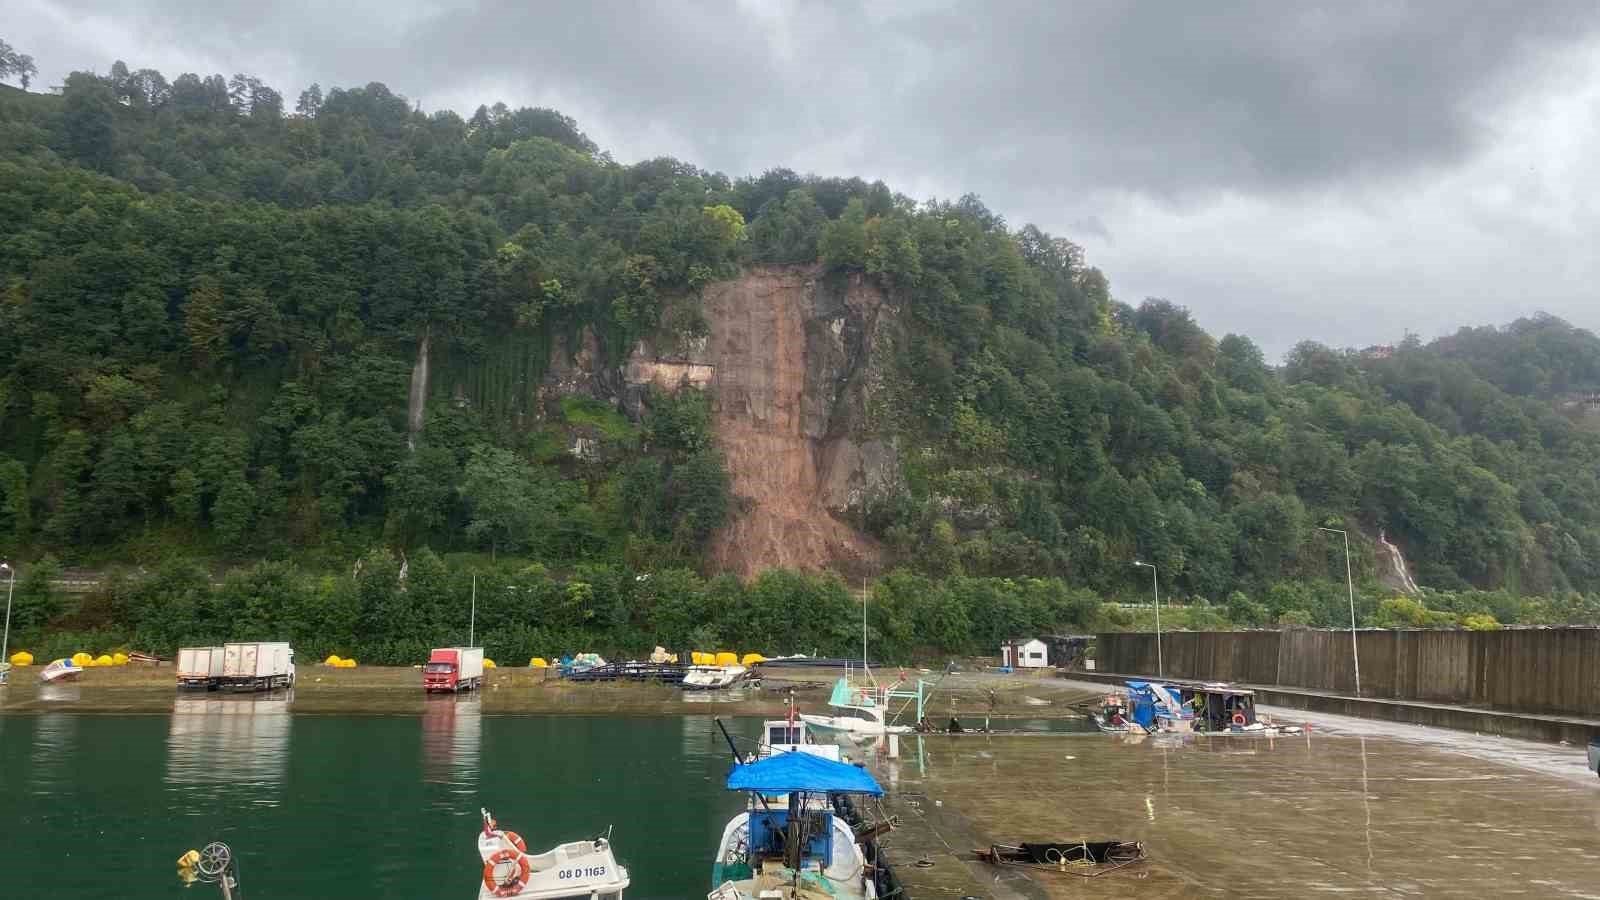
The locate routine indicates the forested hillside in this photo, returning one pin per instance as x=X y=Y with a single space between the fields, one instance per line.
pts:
x=212 y=300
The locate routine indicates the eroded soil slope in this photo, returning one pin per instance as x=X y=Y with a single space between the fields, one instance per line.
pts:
x=791 y=356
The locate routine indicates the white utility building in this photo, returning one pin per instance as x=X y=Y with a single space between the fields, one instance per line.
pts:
x=1025 y=654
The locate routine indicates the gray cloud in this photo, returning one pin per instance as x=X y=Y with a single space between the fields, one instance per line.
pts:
x=1222 y=125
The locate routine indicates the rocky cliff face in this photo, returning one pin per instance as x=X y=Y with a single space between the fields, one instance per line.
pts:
x=792 y=360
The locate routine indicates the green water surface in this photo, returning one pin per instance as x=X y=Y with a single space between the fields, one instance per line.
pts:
x=348 y=806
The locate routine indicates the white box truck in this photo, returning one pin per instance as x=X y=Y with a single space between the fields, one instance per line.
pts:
x=257 y=665
x=199 y=668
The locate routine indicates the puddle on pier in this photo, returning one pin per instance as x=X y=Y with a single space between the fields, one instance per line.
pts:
x=1316 y=814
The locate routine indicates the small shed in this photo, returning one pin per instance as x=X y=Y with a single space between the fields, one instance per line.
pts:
x=1025 y=653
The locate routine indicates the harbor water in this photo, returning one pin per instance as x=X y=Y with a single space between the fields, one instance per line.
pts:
x=101 y=806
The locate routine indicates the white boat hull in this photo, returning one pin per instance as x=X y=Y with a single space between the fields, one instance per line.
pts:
x=577 y=869
x=844 y=877
x=854 y=725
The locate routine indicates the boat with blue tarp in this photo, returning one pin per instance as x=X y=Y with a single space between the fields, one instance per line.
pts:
x=789 y=842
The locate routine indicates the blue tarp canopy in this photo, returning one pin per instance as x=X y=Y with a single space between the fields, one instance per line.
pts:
x=785 y=772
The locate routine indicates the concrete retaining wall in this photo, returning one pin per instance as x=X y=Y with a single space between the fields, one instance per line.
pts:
x=1551 y=671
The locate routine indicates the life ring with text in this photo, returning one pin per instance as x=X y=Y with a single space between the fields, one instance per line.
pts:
x=1238 y=719
x=514 y=886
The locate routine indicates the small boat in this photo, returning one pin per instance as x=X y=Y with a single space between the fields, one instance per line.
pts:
x=1085 y=858
x=578 y=869
x=711 y=678
x=790 y=735
x=60 y=670
x=787 y=843
x=1223 y=710
x=1112 y=717
x=861 y=713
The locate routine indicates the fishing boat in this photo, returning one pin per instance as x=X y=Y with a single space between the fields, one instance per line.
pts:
x=60 y=670
x=786 y=843
x=790 y=735
x=1154 y=706
x=711 y=678
x=859 y=712
x=1112 y=716
x=1225 y=711
x=581 y=869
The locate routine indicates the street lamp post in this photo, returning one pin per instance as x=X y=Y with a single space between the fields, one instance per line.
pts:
x=5 y=642
x=1350 y=585
x=1155 y=585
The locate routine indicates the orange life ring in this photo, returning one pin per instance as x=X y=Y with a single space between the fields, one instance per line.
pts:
x=515 y=885
x=515 y=840
x=1238 y=719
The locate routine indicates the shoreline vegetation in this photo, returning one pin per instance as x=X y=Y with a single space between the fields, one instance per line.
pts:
x=387 y=611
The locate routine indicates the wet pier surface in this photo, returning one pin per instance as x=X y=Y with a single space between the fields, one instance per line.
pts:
x=1332 y=812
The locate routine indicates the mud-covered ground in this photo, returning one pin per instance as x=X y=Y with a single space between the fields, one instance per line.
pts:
x=1354 y=806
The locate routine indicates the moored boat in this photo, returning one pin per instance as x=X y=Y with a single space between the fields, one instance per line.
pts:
x=580 y=869
x=859 y=712
x=786 y=843
x=710 y=678
x=60 y=670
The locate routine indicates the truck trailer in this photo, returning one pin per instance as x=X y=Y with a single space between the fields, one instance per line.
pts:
x=257 y=666
x=453 y=669
x=199 y=668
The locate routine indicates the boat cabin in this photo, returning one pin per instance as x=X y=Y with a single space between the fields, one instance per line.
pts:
x=791 y=736
x=1217 y=707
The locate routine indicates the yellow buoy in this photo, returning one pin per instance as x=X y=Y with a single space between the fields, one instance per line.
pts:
x=82 y=659
x=22 y=658
x=104 y=660
x=188 y=860
x=347 y=663
x=751 y=659
x=488 y=664
x=119 y=658
x=538 y=662
x=333 y=660
x=725 y=658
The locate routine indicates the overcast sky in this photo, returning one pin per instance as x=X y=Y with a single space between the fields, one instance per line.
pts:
x=1343 y=171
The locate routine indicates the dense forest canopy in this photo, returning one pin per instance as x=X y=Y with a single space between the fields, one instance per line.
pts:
x=211 y=299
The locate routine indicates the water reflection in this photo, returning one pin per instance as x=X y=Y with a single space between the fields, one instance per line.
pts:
x=228 y=748
x=55 y=737
x=60 y=693
x=452 y=738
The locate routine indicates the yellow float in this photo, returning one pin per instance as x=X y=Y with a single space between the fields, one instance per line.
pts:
x=751 y=659
x=22 y=658
x=538 y=662
x=488 y=664
x=119 y=658
x=82 y=659
x=725 y=658
x=104 y=660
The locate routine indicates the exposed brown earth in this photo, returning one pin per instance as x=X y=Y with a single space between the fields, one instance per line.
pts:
x=790 y=357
